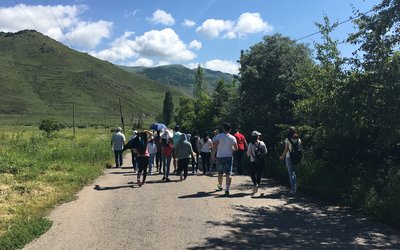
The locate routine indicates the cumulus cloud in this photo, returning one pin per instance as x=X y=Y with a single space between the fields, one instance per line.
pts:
x=247 y=23
x=145 y=62
x=156 y=45
x=195 y=45
x=162 y=17
x=48 y=19
x=188 y=23
x=217 y=65
x=211 y=28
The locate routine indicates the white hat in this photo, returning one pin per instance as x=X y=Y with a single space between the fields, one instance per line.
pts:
x=255 y=133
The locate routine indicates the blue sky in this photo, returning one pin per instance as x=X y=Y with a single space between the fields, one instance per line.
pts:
x=157 y=32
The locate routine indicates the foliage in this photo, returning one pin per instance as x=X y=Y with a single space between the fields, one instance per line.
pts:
x=49 y=125
x=199 y=86
x=168 y=108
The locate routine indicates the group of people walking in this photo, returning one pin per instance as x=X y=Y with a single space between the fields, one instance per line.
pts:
x=223 y=152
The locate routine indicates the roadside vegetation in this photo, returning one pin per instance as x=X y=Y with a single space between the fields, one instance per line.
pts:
x=39 y=171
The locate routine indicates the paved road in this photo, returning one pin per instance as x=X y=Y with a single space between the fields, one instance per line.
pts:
x=192 y=215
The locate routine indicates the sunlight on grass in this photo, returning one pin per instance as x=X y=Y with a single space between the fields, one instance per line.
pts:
x=37 y=173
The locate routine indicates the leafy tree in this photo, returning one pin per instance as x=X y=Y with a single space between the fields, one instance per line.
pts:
x=168 y=108
x=267 y=75
x=49 y=125
x=199 y=84
x=186 y=116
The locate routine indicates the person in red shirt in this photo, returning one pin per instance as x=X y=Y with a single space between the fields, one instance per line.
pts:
x=238 y=154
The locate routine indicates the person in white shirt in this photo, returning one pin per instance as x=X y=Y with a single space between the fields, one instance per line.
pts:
x=256 y=151
x=152 y=148
x=205 y=152
x=117 y=144
x=224 y=145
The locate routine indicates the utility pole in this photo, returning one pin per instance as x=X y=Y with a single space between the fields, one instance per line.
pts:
x=122 y=117
x=73 y=117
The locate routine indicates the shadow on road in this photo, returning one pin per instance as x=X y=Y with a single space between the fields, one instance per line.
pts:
x=99 y=188
x=302 y=222
x=201 y=194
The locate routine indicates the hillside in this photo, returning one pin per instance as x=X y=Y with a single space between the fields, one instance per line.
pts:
x=40 y=76
x=179 y=76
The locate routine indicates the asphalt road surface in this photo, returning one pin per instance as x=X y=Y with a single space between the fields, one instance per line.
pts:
x=192 y=215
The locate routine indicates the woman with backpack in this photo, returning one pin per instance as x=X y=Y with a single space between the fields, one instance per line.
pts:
x=256 y=151
x=293 y=155
x=142 y=157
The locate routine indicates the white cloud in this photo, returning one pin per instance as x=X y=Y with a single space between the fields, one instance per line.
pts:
x=247 y=23
x=162 y=17
x=164 y=44
x=195 y=45
x=48 y=19
x=211 y=28
x=217 y=65
x=157 y=45
x=142 y=62
x=188 y=23
x=89 y=34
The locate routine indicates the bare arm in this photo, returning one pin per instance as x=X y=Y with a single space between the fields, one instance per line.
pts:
x=214 y=150
x=284 y=152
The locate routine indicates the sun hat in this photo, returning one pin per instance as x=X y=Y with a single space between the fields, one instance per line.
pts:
x=255 y=133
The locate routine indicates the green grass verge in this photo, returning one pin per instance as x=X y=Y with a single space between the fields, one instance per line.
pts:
x=37 y=173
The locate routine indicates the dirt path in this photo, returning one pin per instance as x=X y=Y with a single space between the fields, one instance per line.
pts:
x=192 y=215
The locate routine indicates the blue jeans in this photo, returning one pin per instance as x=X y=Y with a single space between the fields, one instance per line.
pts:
x=118 y=158
x=151 y=162
x=224 y=165
x=166 y=164
x=292 y=173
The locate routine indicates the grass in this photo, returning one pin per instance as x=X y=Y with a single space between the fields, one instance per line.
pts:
x=37 y=173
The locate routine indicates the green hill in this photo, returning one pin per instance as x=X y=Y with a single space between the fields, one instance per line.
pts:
x=179 y=76
x=40 y=76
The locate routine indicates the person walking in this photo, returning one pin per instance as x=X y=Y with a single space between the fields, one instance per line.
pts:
x=152 y=148
x=205 y=152
x=183 y=152
x=214 y=163
x=194 y=141
x=175 y=140
x=157 y=141
x=238 y=154
x=256 y=151
x=117 y=143
x=134 y=152
x=142 y=158
x=166 y=155
x=224 y=146
x=293 y=155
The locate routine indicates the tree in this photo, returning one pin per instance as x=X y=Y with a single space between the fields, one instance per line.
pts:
x=267 y=75
x=49 y=125
x=168 y=108
x=199 y=84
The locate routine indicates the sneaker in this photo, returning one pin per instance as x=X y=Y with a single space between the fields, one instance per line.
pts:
x=163 y=179
x=256 y=189
x=139 y=183
x=253 y=191
x=181 y=178
x=219 y=187
x=167 y=180
x=226 y=193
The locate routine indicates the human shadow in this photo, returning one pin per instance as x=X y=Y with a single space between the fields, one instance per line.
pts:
x=160 y=181
x=235 y=195
x=122 y=172
x=305 y=225
x=99 y=188
x=201 y=194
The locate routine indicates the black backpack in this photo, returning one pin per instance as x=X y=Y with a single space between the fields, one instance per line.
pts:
x=296 y=155
x=258 y=153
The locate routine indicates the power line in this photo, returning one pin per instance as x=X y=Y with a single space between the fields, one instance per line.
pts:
x=340 y=23
x=26 y=15
x=58 y=23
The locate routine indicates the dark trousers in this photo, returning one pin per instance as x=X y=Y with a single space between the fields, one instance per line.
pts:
x=118 y=158
x=195 y=164
x=158 y=161
x=205 y=160
x=134 y=160
x=256 y=170
x=183 y=166
x=237 y=160
x=143 y=162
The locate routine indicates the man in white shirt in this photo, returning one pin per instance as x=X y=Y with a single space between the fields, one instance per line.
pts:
x=224 y=145
x=117 y=144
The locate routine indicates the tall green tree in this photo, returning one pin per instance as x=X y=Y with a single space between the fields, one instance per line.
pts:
x=168 y=108
x=267 y=75
x=199 y=84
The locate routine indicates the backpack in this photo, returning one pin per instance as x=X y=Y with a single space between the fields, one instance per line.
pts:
x=194 y=141
x=258 y=153
x=296 y=155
